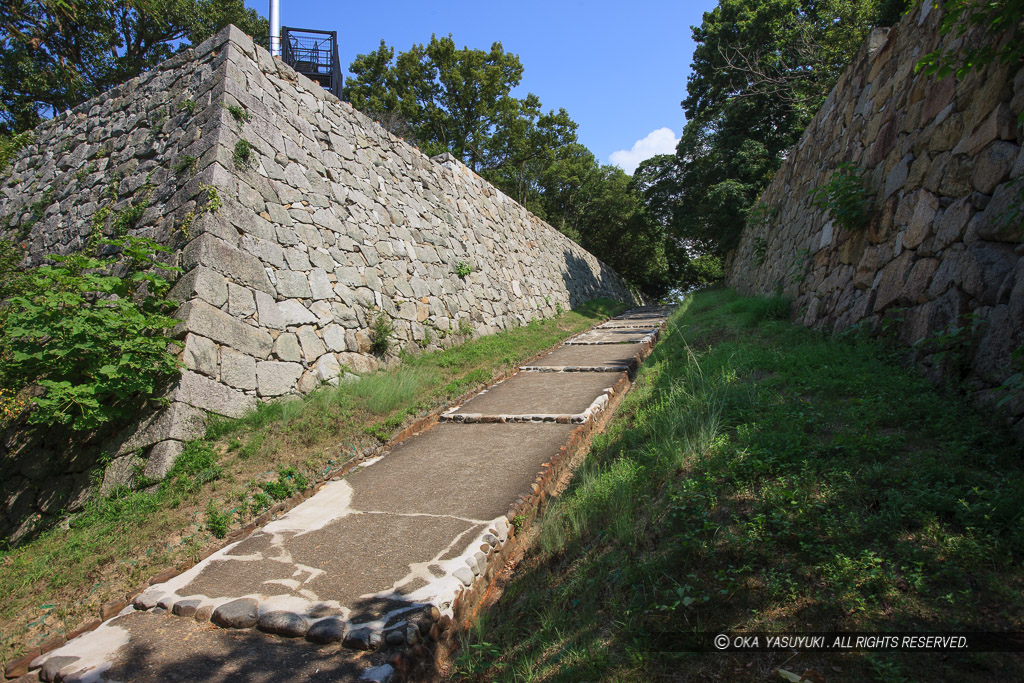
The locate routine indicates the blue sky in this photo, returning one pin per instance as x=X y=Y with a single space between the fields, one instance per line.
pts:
x=618 y=68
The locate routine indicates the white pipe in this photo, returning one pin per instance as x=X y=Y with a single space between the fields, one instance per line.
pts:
x=275 y=27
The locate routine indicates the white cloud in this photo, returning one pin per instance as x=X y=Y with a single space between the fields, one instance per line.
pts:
x=661 y=141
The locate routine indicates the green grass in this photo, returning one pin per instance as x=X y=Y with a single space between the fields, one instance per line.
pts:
x=242 y=467
x=763 y=477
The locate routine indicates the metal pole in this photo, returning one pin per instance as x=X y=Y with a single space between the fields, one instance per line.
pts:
x=275 y=27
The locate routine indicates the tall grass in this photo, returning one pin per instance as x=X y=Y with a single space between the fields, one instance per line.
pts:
x=384 y=392
x=764 y=477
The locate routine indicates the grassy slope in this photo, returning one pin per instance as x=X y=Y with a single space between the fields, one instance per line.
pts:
x=763 y=477
x=241 y=468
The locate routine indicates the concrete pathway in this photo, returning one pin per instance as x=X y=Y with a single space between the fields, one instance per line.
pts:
x=379 y=561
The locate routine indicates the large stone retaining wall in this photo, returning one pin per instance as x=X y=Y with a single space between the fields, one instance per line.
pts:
x=944 y=249
x=291 y=254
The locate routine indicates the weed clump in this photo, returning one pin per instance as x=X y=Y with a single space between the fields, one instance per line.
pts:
x=242 y=155
x=845 y=197
x=381 y=332
x=239 y=114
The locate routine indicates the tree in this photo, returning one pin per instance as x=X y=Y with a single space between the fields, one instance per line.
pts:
x=55 y=54
x=460 y=101
x=598 y=207
x=524 y=143
x=760 y=71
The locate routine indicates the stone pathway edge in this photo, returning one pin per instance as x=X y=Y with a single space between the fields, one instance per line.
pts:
x=109 y=610
x=415 y=661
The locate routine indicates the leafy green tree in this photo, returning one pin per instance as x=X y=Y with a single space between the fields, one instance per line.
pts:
x=598 y=207
x=455 y=100
x=55 y=54
x=459 y=100
x=94 y=341
x=524 y=143
x=760 y=71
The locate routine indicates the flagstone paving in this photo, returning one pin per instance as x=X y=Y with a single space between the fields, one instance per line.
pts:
x=351 y=571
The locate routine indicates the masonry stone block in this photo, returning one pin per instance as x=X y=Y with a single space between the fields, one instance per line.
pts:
x=320 y=285
x=203 y=319
x=202 y=392
x=328 y=369
x=268 y=312
x=179 y=421
x=294 y=313
x=203 y=283
x=161 y=459
x=359 y=363
x=920 y=225
x=992 y=166
x=292 y=284
x=241 y=303
x=237 y=369
x=200 y=354
x=275 y=378
x=267 y=251
x=212 y=252
x=297 y=260
x=312 y=346
x=334 y=337
x=286 y=347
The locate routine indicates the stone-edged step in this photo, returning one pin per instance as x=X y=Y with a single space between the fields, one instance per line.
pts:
x=647 y=335
x=629 y=325
x=538 y=397
x=590 y=358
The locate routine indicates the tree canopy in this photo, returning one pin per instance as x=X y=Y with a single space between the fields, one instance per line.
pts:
x=55 y=54
x=459 y=100
x=760 y=71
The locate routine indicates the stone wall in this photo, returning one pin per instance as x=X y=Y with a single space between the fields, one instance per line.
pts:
x=943 y=163
x=296 y=220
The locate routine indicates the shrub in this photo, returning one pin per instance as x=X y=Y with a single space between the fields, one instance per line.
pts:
x=462 y=269
x=380 y=334
x=243 y=154
x=93 y=340
x=217 y=522
x=845 y=197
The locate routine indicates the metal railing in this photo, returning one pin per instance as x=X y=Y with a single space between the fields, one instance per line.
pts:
x=314 y=54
